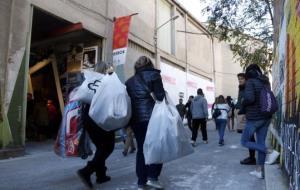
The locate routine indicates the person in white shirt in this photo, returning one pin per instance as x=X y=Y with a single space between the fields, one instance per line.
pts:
x=221 y=110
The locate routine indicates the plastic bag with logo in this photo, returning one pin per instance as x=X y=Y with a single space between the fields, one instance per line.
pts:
x=111 y=106
x=166 y=137
x=88 y=88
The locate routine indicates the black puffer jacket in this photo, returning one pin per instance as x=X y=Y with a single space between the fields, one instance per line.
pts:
x=141 y=100
x=251 y=101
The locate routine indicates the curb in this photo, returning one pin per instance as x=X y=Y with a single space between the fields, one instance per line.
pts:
x=275 y=178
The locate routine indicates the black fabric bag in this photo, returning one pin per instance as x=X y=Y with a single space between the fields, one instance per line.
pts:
x=216 y=113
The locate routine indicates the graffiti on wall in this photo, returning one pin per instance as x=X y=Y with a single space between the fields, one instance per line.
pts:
x=287 y=89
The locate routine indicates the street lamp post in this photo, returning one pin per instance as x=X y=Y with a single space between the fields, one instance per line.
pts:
x=155 y=38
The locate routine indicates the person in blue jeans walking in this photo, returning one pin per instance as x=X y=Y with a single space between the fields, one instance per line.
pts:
x=144 y=88
x=221 y=120
x=257 y=123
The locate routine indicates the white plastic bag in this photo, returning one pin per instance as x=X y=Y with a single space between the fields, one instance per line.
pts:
x=88 y=88
x=166 y=138
x=111 y=107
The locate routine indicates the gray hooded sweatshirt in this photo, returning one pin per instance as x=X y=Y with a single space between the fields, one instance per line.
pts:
x=199 y=108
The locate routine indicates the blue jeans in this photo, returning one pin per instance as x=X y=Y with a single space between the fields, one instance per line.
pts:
x=260 y=128
x=221 y=126
x=144 y=171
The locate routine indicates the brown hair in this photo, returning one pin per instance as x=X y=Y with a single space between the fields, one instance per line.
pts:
x=143 y=62
x=221 y=100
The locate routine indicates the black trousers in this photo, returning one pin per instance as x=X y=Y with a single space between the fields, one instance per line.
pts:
x=104 y=142
x=189 y=120
x=143 y=171
x=252 y=152
x=196 y=124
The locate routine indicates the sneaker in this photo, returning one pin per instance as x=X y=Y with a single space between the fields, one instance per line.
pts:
x=124 y=153
x=86 y=179
x=248 y=161
x=103 y=179
x=221 y=143
x=257 y=174
x=239 y=131
x=193 y=143
x=205 y=142
x=272 y=157
x=154 y=184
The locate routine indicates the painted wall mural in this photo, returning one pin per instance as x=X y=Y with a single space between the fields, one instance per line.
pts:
x=286 y=85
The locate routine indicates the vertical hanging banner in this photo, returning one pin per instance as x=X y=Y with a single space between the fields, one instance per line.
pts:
x=120 y=39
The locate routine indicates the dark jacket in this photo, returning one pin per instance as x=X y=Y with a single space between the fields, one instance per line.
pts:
x=181 y=110
x=141 y=101
x=189 y=112
x=241 y=95
x=254 y=84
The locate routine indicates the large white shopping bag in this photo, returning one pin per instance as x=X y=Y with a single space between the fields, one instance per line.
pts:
x=166 y=138
x=111 y=106
x=89 y=87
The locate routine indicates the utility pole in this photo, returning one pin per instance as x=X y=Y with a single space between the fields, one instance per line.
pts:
x=155 y=37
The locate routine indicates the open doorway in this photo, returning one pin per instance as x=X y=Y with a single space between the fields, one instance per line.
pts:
x=59 y=51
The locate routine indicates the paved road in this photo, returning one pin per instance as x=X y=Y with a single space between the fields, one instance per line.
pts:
x=210 y=168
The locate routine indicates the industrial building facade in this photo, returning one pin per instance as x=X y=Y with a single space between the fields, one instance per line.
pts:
x=44 y=43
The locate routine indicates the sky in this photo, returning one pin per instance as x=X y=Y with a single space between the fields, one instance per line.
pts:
x=194 y=7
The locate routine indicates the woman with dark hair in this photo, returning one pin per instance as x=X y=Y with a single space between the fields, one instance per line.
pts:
x=144 y=88
x=257 y=123
x=103 y=140
x=221 y=120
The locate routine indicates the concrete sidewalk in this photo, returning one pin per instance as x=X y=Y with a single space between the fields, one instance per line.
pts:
x=210 y=168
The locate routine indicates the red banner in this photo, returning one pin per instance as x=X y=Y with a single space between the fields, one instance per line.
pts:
x=120 y=39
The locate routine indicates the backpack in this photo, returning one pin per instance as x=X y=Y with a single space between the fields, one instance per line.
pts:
x=268 y=102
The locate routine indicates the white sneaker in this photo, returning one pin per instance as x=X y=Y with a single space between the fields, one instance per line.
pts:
x=154 y=184
x=193 y=143
x=257 y=174
x=272 y=157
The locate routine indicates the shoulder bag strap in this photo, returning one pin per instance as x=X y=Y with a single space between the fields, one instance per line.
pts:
x=144 y=84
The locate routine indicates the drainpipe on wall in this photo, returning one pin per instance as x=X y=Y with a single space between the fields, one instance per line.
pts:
x=156 y=54
x=214 y=62
x=186 y=56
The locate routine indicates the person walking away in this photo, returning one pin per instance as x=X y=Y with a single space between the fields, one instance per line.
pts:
x=212 y=109
x=230 y=122
x=221 y=120
x=257 y=122
x=189 y=113
x=241 y=119
x=181 y=109
x=129 y=142
x=103 y=140
x=145 y=86
x=199 y=114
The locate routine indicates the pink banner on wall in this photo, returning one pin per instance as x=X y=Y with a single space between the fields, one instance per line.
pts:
x=168 y=79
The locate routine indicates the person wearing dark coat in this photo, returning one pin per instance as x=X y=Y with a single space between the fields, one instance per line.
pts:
x=103 y=140
x=257 y=123
x=241 y=118
x=189 y=112
x=181 y=108
x=144 y=88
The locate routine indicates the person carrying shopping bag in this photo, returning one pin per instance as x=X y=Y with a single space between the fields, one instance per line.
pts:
x=220 y=114
x=146 y=79
x=103 y=140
